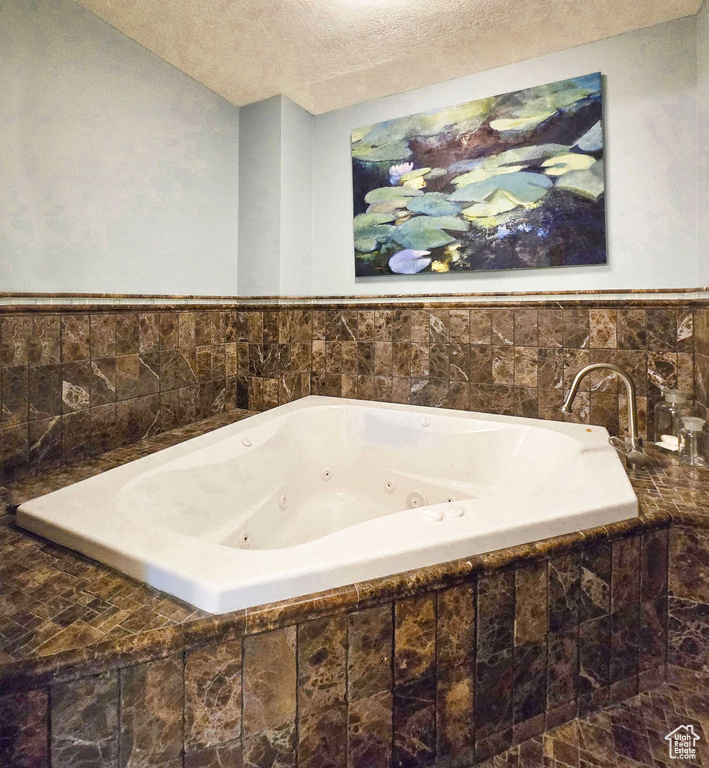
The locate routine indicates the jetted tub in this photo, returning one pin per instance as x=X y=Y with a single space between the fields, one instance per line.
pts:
x=324 y=492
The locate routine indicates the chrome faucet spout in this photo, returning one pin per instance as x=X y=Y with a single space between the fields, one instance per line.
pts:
x=635 y=456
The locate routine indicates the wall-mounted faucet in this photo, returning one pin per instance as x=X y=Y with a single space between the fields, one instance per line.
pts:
x=635 y=457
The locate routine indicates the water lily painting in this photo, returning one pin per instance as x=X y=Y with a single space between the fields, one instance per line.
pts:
x=508 y=182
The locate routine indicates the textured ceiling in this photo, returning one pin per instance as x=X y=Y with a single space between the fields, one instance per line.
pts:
x=326 y=54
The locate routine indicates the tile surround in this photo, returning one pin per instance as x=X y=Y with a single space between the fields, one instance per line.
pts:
x=76 y=383
x=451 y=672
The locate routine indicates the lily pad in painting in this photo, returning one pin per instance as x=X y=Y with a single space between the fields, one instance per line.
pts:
x=370 y=229
x=409 y=262
x=521 y=187
x=558 y=166
x=584 y=183
x=382 y=194
x=433 y=204
x=425 y=232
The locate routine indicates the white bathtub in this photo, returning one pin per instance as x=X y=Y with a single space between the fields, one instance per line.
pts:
x=325 y=492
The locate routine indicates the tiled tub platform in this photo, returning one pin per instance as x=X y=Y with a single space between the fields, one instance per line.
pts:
x=448 y=665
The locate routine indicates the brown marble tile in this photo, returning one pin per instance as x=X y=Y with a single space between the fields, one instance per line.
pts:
x=269 y=681
x=662 y=369
x=414 y=724
x=401 y=359
x=84 y=718
x=76 y=436
x=564 y=591
x=480 y=326
x=137 y=375
x=494 y=685
x=14 y=395
x=75 y=338
x=45 y=443
x=550 y=368
x=212 y=695
x=661 y=330
x=455 y=713
x=169 y=330
x=369 y=738
x=383 y=358
x=625 y=569
x=652 y=633
x=104 y=435
x=420 y=354
x=526 y=361
x=685 y=330
x=275 y=748
x=76 y=386
x=496 y=613
x=603 y=328
x=689 y=563
x=502 y=325
x=322 y=738
x=383 y=319
x=149 y=332
x=14 y=451
x=178 y=369
x=439 y=361
x=365 y=358
x=530 y=603
x=687 y=644
x=414 y=638
x=530 y=680
x=401 y=325
x=624 y=644
x=594 y=655
x=103 y=381
x=503 y=365
x=186 y=329
x=551 y=327
x=127 y=333
x=459 y=326
x=550 y=402
x=480 y=364
x=653 y=564
x=322 y=675
x=23 y=730
x=562 y=669
x=151 y=706
x=14 y=341
x=459 y=362
x=225 y=756
x=370 y=648
x=45 y=391
x=439 y=327
x=595 y=581
x=526 y=333
x=102 y=335
x=137 y=418
x=577 y=329
x=455 y=626
x=45 y=346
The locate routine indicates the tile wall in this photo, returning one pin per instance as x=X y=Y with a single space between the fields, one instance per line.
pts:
x=446 y=677
x=74 y=384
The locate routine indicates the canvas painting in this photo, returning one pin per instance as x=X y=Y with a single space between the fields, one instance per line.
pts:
x=507 y=182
